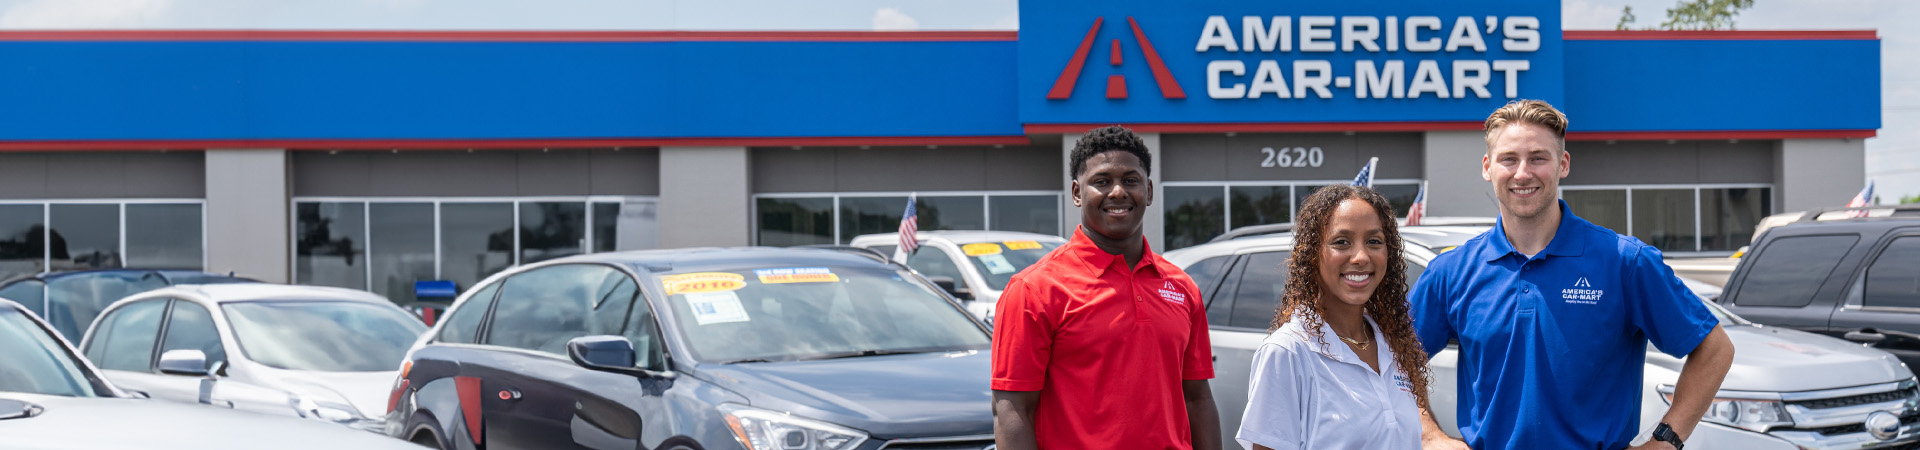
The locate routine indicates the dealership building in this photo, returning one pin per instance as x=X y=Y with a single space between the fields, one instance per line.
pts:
x=374 y=159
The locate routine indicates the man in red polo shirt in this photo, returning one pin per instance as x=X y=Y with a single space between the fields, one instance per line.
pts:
x=1102 y=344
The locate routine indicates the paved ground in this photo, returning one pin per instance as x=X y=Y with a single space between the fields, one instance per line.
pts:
x=1712 y=270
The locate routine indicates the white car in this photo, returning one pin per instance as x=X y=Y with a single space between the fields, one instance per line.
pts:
x=978 y=264
x=306 y=351
x=1786 y=390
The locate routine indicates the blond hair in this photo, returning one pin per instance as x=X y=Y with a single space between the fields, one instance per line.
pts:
x=1527 y=111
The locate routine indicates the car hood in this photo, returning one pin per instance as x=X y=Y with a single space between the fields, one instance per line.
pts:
x=366 y=391
x=126 y=423
x=889 y=397
x=1775 y=359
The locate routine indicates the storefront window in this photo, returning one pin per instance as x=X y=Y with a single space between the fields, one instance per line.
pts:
x=164 y=236
x=1603 y=207
x=630 y=224
x=85 y=236
x=1261 y=205
x=947 y=213
x=476 y=240
x=1029 y=213
x=606 y=224
x=551 y=230
x=402 y=250
x=795 y=221
x=1664 y=218
x=330 y=244
x=1400 y=196
x=1727 y=216
x=1194 y=214
x=869 y=215
x=22 y=240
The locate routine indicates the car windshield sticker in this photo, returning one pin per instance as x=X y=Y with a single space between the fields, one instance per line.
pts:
x=796 y=275
x=1022 y=245
x=997 y=264
x=688 y=283
x=716 y=307
x=984 y=248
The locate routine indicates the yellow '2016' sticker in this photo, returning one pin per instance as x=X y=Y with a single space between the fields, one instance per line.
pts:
x=984 y=248
x=1022 y=245
x=796 y=275
x=688 y=283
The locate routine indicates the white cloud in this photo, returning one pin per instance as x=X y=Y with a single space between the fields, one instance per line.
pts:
x=94 y=14
x=890 y=19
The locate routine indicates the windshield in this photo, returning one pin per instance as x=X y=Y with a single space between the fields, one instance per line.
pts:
x=794 y=313
x=326 y=336
x=35 y=361
x=998 y=262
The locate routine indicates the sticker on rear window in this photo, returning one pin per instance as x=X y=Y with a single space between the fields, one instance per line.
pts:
x=1022 y=245
x=691 y=283
x=997 y=264
x=716 y=307
x=796 y=275
x=984 y=248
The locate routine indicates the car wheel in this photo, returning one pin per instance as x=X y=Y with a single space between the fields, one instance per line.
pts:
x=426 y=439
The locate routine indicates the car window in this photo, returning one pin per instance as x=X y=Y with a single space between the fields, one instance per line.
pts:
x=73 y=301
x=1788 y=271
x=1894 y=277
x=35 y=361
x=125 y=340
x=323 y=335
x=615 y=302
x=1261 y=284
x=793 y=313
x=542 y=309
x=28 y=293
x=464 y=325
x=1207 y=272
x=190 y=327
x=644 y=332
x=998 y=263
x=933 y=262
x=884 y=249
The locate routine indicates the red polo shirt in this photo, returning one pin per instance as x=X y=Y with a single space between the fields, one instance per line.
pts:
x=1106 y=345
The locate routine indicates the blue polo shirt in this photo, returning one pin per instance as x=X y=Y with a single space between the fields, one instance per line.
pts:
x=1552 y=347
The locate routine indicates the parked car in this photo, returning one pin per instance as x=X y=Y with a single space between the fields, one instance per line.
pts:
x=761 y=348
x=977 y=264
x=305 y=351
x=71 y=300
x=1786 y=389
x=52 y=399
x=1829 y=273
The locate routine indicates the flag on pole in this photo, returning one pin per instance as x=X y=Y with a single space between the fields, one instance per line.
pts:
x=1419 y=208
x=1865 y=198
x=909 y=224
x=1365 y=178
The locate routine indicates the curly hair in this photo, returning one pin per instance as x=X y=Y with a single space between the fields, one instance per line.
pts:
x=1388 y=306
x=1107 y=139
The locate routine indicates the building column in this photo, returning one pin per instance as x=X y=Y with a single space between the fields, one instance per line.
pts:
x=1153 y=225
x=1818 y=173
x=1454 y=186
x=705 y=197
x=248 y=212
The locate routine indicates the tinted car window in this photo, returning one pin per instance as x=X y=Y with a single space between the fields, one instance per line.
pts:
x=1894 y=277
x=1789 y=270
x=28 y=293
x=1206 y=272
x=73 y=301
x=190 y=327
x=998 y=263
x=325 y=336
x=542 y=309
x=464 y=325
x=643 y=332
x=615 y=302
x=1261 y=284
x=794 y=313
x=35 y=361
x=125 y=340
x=933 y=262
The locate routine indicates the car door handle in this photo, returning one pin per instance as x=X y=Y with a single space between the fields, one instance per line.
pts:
x=1865 y=336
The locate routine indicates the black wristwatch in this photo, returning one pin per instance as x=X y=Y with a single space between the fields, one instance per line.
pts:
x=1665 y=433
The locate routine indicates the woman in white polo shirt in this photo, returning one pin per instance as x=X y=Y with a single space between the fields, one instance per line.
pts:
x=1343 y=370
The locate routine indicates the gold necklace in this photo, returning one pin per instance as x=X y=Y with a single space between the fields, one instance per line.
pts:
x=1359 y=344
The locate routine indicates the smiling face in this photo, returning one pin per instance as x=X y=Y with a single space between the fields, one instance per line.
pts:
x=1353 y=254
x=1113 y=193
x=1525 y=163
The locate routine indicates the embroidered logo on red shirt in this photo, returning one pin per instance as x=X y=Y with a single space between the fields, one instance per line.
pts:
x=1172 y=294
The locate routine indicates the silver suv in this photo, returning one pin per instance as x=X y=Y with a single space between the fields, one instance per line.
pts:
x=1787 y=389
x=976 y=264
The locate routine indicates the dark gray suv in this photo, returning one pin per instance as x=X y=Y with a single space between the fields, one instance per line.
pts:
x=1834 y=274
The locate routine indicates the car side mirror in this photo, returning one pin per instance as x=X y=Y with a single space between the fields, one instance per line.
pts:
x=184 y=362
x=609 y=354
x=952 y=287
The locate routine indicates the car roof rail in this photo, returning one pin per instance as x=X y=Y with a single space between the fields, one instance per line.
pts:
x=1910 y=210
x=862 y=251
x=1254 y=230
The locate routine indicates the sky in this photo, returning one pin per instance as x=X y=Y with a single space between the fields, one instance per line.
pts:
x=1892 y=160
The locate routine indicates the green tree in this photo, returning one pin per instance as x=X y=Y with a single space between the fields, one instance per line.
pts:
x=1694 y=15
x=1909 y=199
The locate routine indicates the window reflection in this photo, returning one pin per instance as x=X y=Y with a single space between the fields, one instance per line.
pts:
x=85 y=237
x=1727 y=216
x=402 y=250
x=1194 y=214
x=1603 y=207
x=869 y=215
x=476 y=240
x=330 y=244
x=947 y=213
x=795 y=221
x=1261 y=205
x=22 y=240
x=551 y=230
x=1029 y=213
x=1664 y=218
x=164 y=236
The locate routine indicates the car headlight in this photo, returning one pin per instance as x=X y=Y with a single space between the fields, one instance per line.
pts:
x=760 y=429
x=1746 y=410
x=318 y=405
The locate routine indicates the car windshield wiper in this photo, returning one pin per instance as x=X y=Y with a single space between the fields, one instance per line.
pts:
x=861 y=353
x=737 y=361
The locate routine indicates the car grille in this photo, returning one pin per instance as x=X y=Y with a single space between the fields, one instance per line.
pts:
x=1905 y=420
x=1881 y=397
x=955 y=445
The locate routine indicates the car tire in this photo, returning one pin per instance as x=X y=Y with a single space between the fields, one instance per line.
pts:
x=426 y=439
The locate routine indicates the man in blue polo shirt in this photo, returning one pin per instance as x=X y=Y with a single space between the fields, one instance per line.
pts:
x=1554 y=313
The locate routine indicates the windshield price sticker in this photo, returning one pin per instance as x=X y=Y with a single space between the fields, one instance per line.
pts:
x=689 y=283
x=997 y=264
x=1022 y=245
x=796 y=275
x=984 y=248
x=716 y=307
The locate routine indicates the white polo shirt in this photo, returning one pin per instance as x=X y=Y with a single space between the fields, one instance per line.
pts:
x=1305 y=395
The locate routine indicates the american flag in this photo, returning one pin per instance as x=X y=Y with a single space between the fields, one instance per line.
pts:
x=1365 y=178
x=1419 y=208
x=1865 y=197
x=909 y=224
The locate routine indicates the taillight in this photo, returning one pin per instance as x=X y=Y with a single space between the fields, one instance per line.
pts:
x=399 y=387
